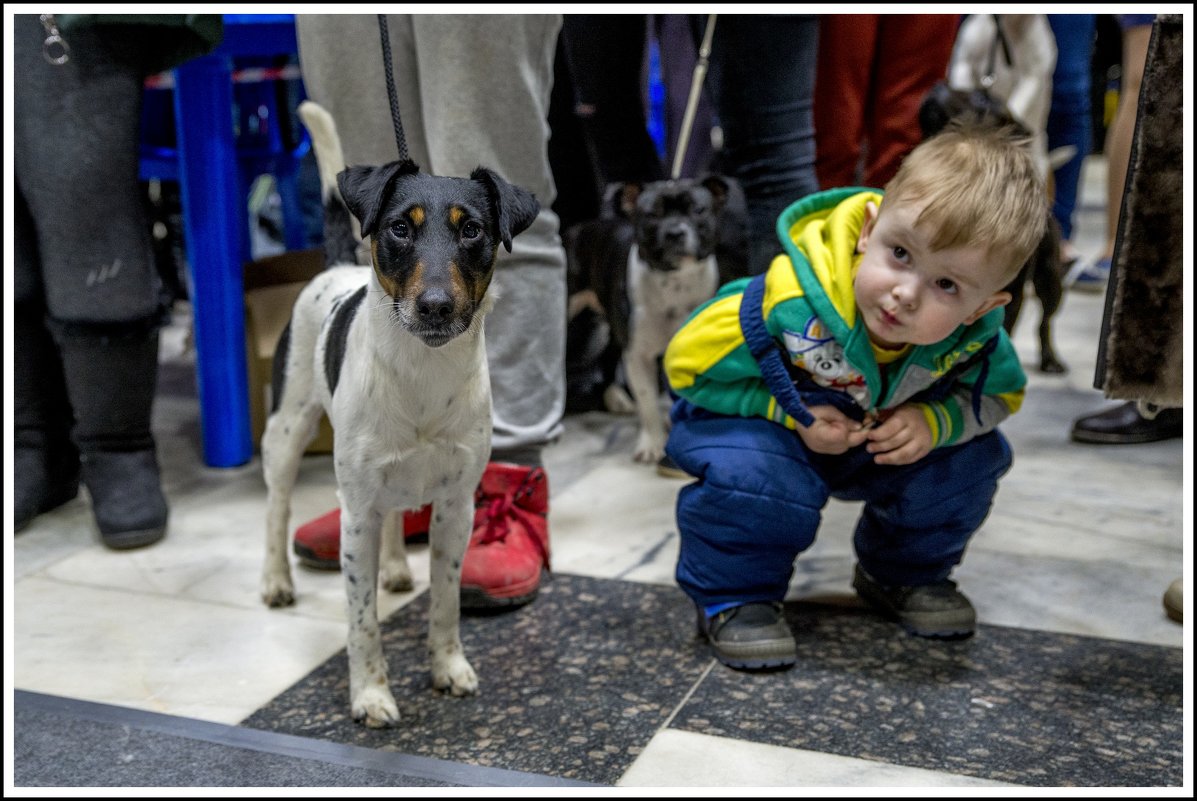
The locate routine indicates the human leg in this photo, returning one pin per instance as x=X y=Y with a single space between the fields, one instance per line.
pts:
x=755 y=504
x=914 y=528
x=472 y=89
x=843 y=85
x=606 y=55
x=76 y=132
x=762 y=77
x=1135 y=39
x=912 y=54
x=45 y=460
x=1068 y=122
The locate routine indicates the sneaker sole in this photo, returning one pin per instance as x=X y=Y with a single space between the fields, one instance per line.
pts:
x=516 y=595
x=926 y=626
x=471 y=597
x=1098 y=438
x=309 y=558
x=125 y=540
x=761 y=657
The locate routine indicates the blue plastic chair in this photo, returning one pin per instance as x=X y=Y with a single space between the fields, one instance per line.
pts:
x=221 y=139
x=269 y=138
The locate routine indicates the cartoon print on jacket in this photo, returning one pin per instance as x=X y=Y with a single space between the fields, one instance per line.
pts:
x=817 y=352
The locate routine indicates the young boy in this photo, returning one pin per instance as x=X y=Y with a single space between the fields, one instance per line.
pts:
x=868 y=363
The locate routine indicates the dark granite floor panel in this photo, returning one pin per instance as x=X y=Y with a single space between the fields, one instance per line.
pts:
x=65 y=742
x=1012 y=705
x=577 y=683
x=573 y=685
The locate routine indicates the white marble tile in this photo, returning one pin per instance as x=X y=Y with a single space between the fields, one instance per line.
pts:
x=213 y=554
x=120 y=646
x=617 y=523
x=676 y=758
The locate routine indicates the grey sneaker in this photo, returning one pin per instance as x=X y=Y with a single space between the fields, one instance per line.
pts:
x=936 y=610
x=750 y=637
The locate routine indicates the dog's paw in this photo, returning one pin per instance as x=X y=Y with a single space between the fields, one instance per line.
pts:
x=454 y=674
x=1052 y=365
x=375 y=707
x=649 y=449
x=618 y=401
x=396 y=576
x=277 y=591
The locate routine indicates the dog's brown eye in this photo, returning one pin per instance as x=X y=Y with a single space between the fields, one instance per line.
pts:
x=399 y=229
x=471 y=230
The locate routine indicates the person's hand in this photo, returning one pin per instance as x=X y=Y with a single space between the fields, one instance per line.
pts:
x=833 y=432
x=903 y=438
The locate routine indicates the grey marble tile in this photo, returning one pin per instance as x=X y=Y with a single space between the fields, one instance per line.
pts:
x=573 y=685
x=1010 y=705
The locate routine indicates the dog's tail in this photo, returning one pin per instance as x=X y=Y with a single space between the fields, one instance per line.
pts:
x=342 y=233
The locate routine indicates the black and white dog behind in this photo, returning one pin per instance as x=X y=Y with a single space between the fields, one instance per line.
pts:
x=394 y=353
x=1044 y=269
x=658 y=251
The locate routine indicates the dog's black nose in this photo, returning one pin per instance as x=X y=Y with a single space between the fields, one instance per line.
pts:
x=434 y=305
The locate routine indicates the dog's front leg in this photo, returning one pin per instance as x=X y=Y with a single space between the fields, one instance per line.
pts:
x=641 y=366
x=452 y=523
x=395 y=573
x=369 y=692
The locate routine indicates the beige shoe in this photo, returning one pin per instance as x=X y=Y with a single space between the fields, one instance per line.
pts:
x=1174 y=600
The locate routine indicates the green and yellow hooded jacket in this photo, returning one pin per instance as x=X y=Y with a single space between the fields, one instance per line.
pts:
x=809 y=306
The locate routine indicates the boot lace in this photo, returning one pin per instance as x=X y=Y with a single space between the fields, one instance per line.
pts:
x=501 y=509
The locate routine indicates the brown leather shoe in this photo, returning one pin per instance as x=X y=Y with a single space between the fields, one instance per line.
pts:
x=1123 y=425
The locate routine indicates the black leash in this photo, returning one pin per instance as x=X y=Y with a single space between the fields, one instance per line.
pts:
x=388 y=73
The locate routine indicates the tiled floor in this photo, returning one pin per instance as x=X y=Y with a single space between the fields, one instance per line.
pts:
x=1075 y=677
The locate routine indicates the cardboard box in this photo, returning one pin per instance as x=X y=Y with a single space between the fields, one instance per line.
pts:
x=271 y=286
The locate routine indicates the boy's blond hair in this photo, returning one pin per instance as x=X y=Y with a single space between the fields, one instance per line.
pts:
x=980 y=187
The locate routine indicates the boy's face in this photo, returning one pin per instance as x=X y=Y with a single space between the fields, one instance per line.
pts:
x=909 y=294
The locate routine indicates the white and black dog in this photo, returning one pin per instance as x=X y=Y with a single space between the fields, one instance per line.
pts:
x=394 y=353
x=659 y=251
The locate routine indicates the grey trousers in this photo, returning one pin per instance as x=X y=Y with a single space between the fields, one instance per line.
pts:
x=472 y=90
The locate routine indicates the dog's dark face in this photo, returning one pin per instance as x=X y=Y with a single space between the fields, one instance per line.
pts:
x=942 y=105
x=674 y=219
x=434 y=239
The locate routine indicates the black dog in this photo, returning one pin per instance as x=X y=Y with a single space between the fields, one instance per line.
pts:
x=659 y=250
x=1044 y=268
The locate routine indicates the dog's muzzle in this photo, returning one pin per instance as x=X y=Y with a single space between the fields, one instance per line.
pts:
x=434 y=317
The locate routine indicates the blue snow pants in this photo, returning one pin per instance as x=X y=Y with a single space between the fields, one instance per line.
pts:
x=759 y=494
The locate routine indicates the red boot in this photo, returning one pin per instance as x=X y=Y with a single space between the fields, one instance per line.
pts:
x=318 y=542
x=510 y=544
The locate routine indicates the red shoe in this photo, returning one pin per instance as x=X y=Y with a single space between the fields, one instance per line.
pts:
x=318 y=542
x=510 y=544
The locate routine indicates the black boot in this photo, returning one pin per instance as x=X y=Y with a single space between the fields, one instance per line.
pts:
x=111 y=380
x=45 y=461
x=1124 y=425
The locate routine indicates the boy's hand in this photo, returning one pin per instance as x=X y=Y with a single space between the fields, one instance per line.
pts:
x=903 y=438
x=833 y=432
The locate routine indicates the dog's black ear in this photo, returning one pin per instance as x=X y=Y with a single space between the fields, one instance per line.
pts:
x=515 y=207
x=366 y=190
x=720 y=187
x=619 y=200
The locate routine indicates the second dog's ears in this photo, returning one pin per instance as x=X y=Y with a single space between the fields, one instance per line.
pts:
x=619 y=199
x=720 y=187
x=515 y=207
x=366 y=190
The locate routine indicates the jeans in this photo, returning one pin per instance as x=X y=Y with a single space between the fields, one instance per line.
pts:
x=762 y=80
x=1069 y=119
